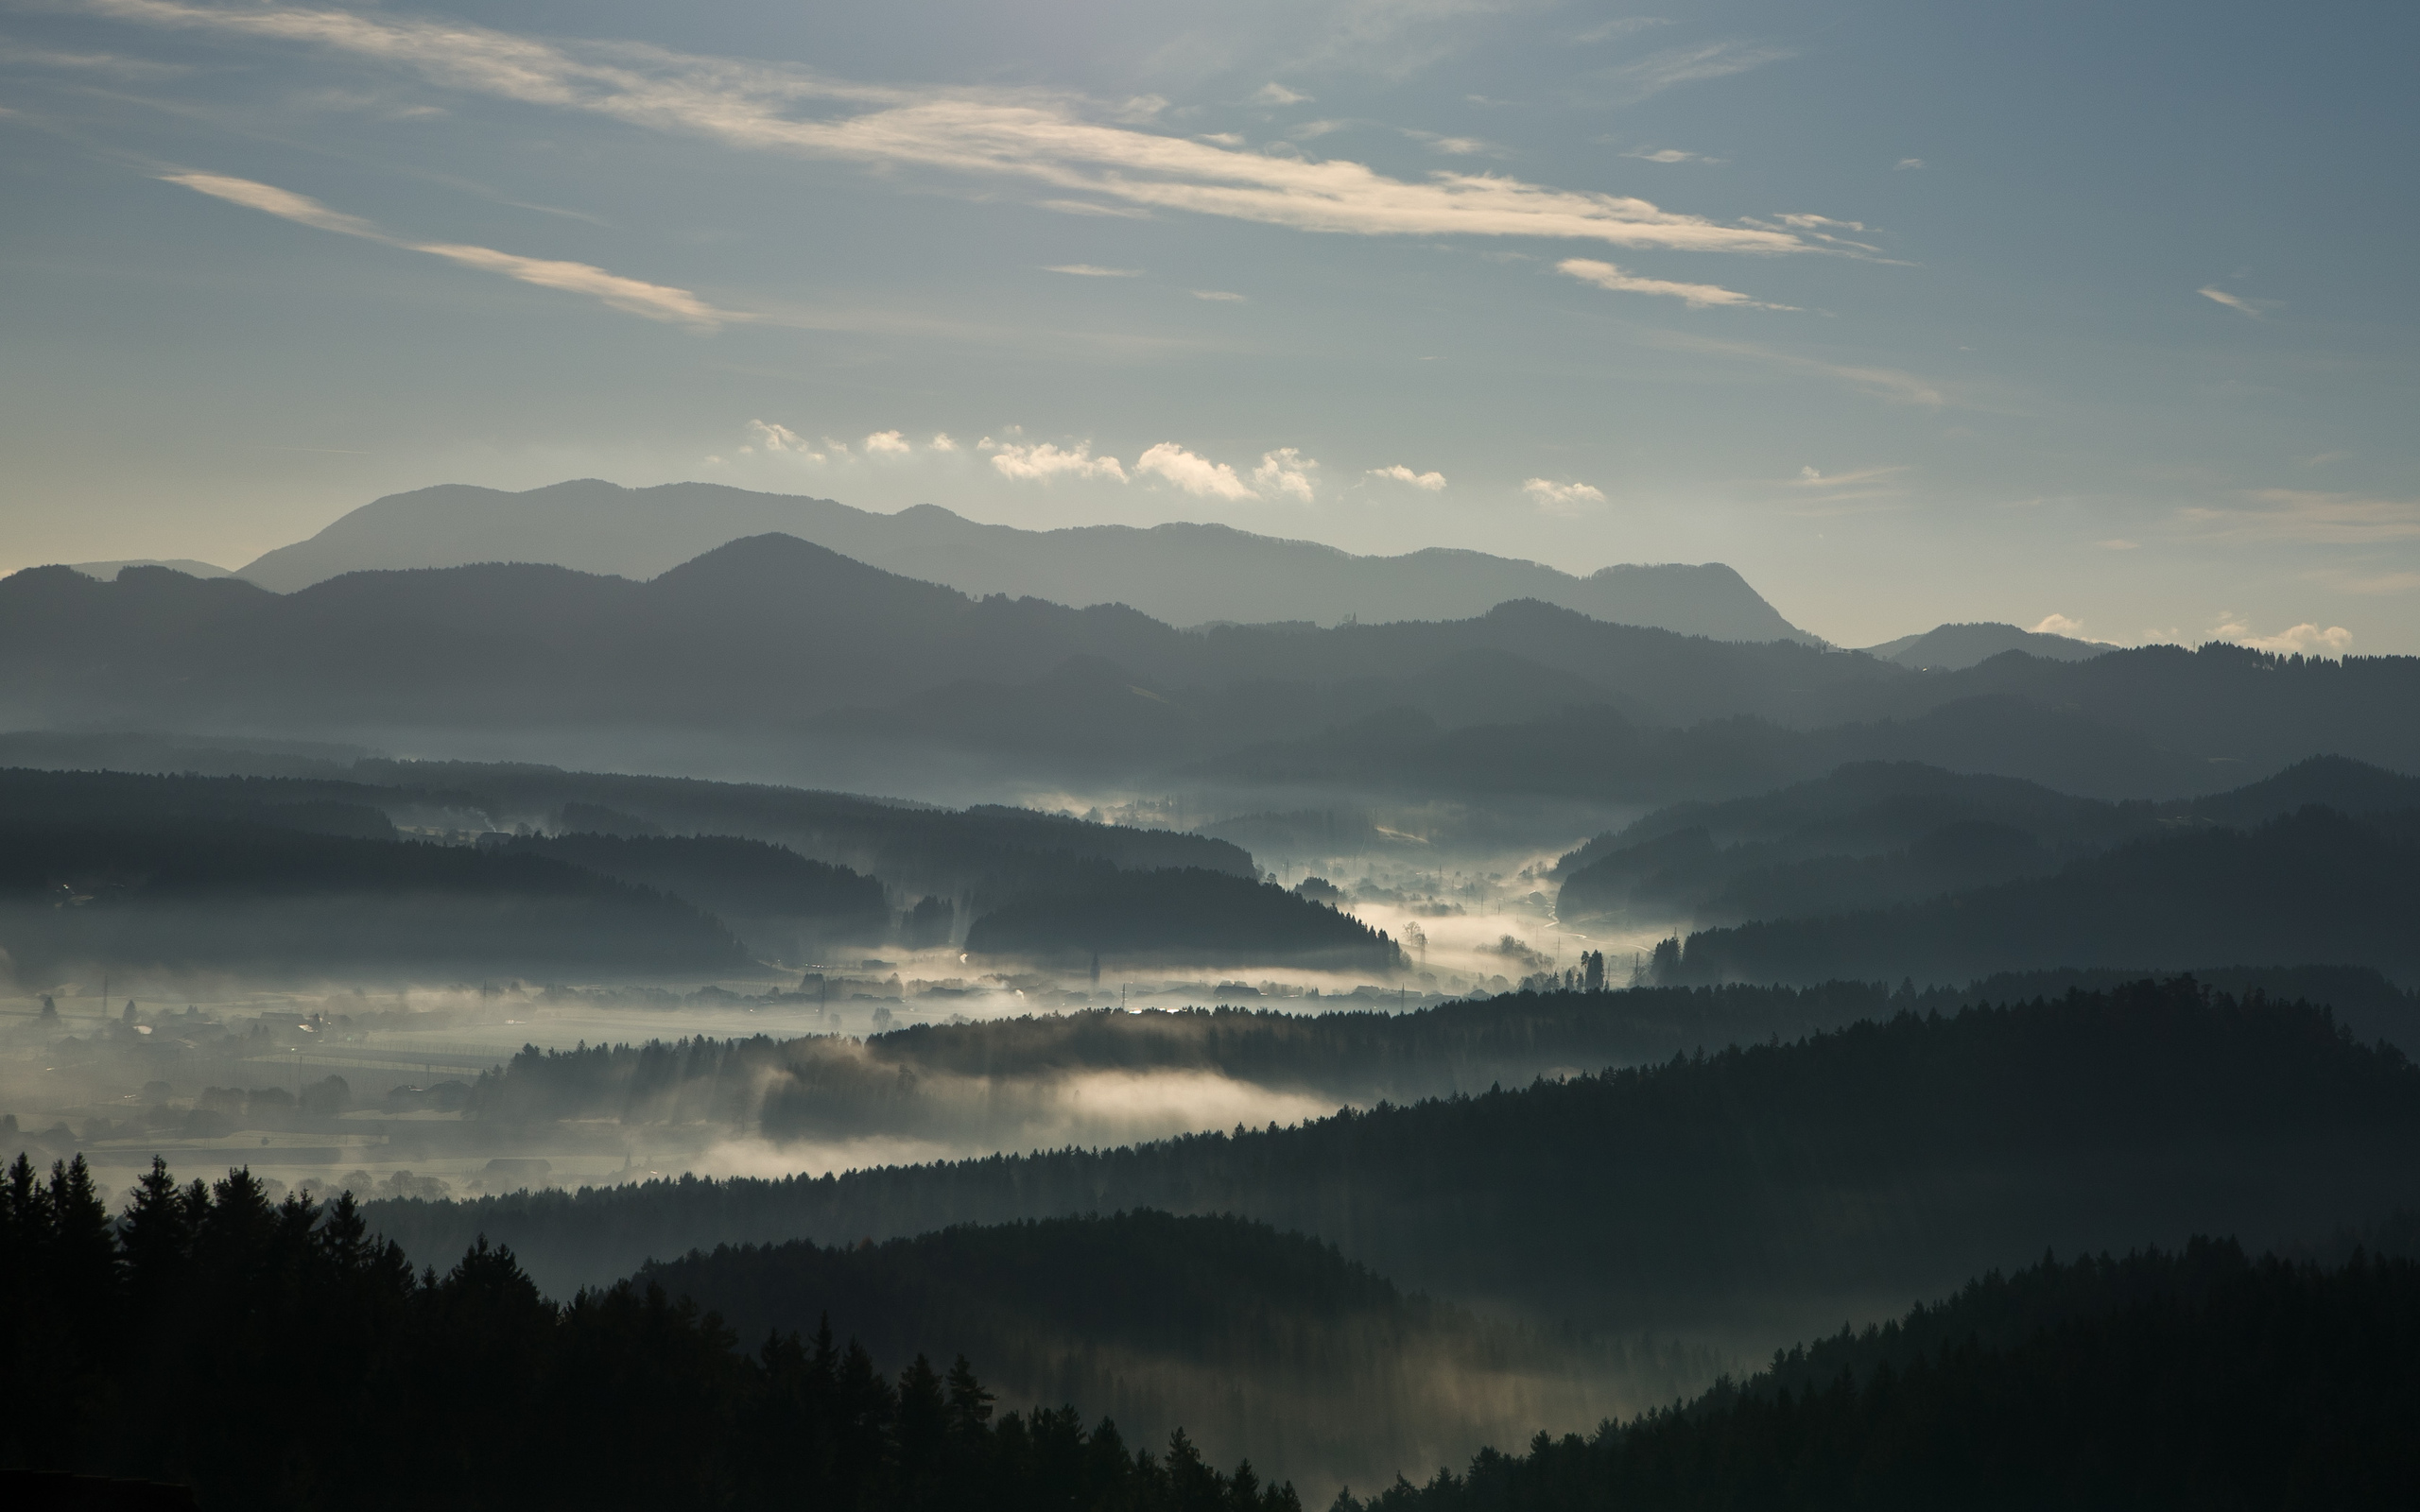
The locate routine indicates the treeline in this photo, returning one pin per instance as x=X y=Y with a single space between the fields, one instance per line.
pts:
x=2199 y=1379
x=1178 y=917
x=1896 y=1156
x=182 y=893
x=2312 y=885
x=944 y=1079
x=1265 y=1346
x=280 y=1356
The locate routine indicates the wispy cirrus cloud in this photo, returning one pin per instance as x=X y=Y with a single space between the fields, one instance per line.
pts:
x=2258 y=309
x=2301 y=515
x=1696 y=296
x=1089 y=271
x=1660 y=71
x=1061 y=143
x=1888 y=383
x=655 y=301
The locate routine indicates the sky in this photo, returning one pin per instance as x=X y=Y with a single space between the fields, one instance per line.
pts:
x=2085 y=318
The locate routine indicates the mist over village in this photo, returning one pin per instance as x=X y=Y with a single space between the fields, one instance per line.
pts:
x=1362 y=756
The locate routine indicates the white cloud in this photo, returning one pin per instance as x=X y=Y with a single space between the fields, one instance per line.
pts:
x=1088 y=270
x=1906 y=163
x=1455 y=146
x=941 y=442
x=2060 y=625
x=1276 y=94
x=1285 y=472
x=886 y=443
x=1042 y=463
x=655 y=301
x=2306 y=639
x=1197 y=475
x=1430 y=481
x=1668 y=155
x=2233 y=301
x=1696 y=296
x=1566 y=499
x=1056 y=140
x=768 y=438
x=1223 y=295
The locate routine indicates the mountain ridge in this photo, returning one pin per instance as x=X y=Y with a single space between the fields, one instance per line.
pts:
x=1184 y=573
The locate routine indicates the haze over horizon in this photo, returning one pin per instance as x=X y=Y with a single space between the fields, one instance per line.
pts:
x=2068 y=320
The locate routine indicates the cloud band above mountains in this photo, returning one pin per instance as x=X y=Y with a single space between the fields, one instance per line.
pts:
x=1058 y=141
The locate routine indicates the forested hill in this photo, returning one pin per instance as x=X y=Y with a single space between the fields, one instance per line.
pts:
x=2193 y=1381
x=280 y=1356
x=179 y=895
x=2311 y=887
x=1872 y=833
x=1775 y=1180
x=1262 y=1346
x=1178 y=917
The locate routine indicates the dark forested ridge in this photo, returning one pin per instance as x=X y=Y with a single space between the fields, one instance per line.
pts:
x=1891 y=1157
x=2313 y=886
x=280 y=1356
x=783 y=903
x=296 y=877
x=181 y=894
x=1262 y=1346
x=2197 y=1380
x=1870 y=834
x=1188 y=916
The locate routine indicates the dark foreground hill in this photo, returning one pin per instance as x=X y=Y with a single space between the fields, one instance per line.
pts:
x=2199 y=1379
x=166 y=1342
x=2312 y=886
x=1263 y=1346
x=1778 y=1183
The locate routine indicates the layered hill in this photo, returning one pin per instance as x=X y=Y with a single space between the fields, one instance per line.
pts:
x=1875 y=835
x=2315 y=885
x=1183 y=574
x=1261 y=1346
x=2197 y=1379
x=788 y=645
x=1951 y=647
x=1779 y=1183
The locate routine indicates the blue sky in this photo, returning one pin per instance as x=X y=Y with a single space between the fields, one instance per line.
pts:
x=2059 y=314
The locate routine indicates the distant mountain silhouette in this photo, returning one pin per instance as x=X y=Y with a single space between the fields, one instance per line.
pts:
x=1183 y=574
x=1951 y=647
x=107 y=571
